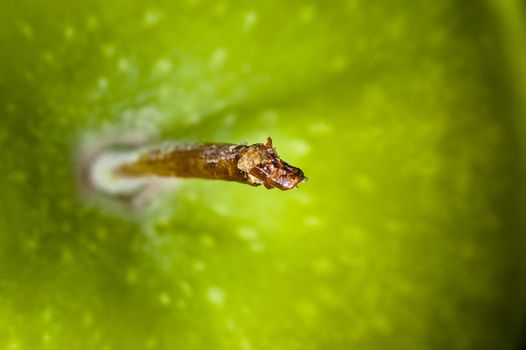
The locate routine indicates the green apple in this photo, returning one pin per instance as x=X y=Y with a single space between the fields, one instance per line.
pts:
x=403 y=116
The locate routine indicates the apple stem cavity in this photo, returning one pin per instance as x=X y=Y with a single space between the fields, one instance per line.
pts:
x=127 y=172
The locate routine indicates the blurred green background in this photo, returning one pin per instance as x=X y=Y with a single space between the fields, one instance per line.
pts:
x=407 y=117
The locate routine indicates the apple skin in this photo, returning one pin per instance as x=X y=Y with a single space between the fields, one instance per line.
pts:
x=401 y=114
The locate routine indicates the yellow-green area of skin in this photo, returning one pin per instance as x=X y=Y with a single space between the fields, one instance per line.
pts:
x=405 y=117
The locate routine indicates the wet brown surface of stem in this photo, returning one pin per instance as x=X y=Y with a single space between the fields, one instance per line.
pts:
x=257 y=164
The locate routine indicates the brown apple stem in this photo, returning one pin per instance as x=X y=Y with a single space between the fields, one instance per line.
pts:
x=257 y=164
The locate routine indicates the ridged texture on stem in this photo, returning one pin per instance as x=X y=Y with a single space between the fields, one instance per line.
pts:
x=257 y=164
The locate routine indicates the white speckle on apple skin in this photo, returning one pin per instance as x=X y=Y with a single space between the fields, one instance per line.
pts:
x=216 y=296
x=249 y=21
